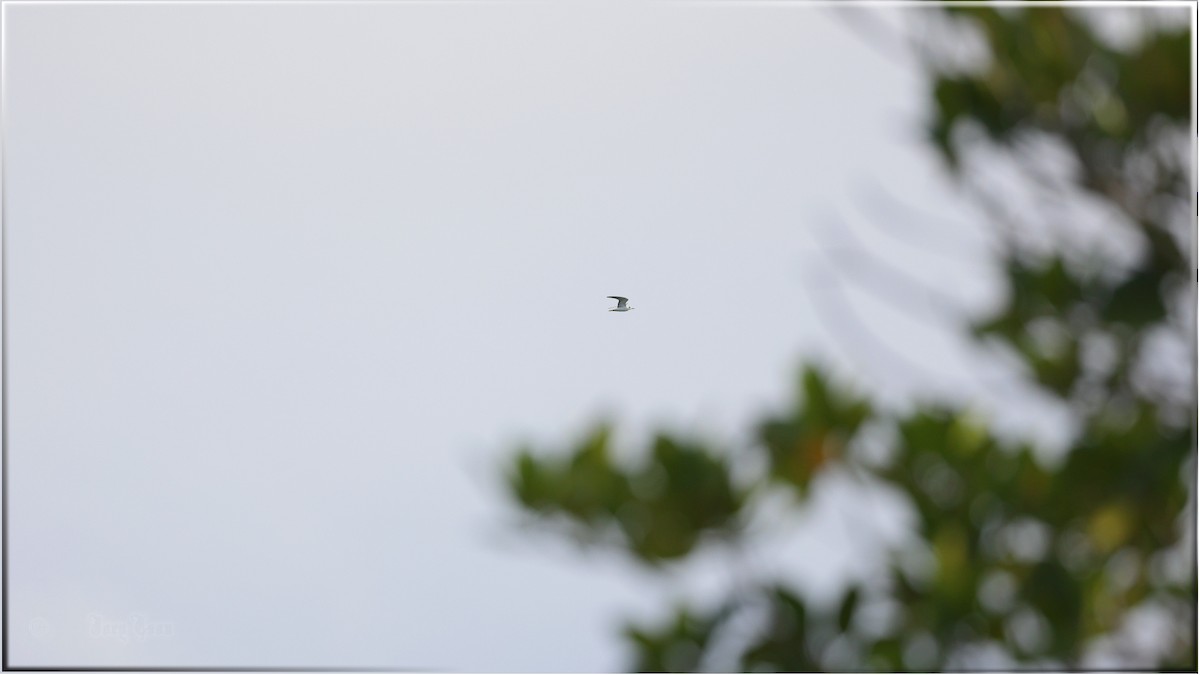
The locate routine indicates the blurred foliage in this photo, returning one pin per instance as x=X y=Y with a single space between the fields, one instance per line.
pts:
x=659 y=511
x=814 y=432
x=1042 y=560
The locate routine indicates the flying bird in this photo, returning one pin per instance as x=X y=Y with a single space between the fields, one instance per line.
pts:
x=622 y=304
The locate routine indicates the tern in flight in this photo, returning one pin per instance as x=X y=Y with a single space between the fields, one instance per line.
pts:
x=622 y=304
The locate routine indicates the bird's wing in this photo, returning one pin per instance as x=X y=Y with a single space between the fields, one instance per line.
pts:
x=620 y=301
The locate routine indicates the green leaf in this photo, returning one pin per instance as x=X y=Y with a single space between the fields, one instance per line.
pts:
x=822 y=421
x=847 y=608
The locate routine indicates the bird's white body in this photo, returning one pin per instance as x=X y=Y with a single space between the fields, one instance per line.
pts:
x=622 y=304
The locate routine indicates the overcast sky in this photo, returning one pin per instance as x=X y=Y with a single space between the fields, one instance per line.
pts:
x=286 y=282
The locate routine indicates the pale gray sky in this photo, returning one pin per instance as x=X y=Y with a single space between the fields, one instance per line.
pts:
x=288 y=281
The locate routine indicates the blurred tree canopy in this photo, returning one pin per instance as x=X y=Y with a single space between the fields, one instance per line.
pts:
x=1104 y=521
